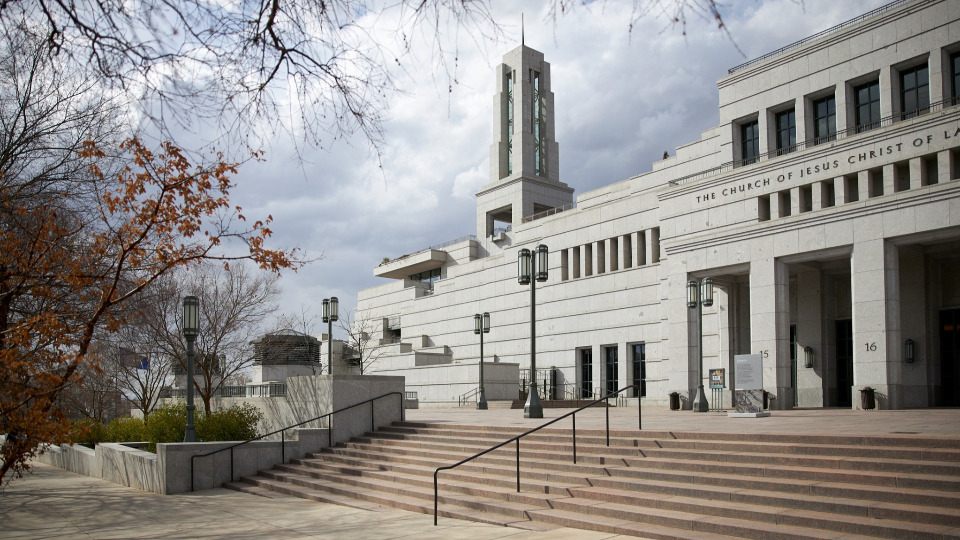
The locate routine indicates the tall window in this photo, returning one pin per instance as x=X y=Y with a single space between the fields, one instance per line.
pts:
x=639 y=353
x=611 y=369
x=825 y=119
x=914 y=91
x=750 y=142
x=786 y=132
x=955 y=72
x=510 y=123
x=586 y=373
x=539 y=159
x=867 y=104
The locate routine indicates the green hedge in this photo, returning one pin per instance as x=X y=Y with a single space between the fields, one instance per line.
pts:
x=167 y=423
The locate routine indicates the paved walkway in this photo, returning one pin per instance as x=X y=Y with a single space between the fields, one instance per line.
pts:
x=51 y=503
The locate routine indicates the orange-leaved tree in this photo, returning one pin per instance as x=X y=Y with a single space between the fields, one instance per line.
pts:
x=68 y=267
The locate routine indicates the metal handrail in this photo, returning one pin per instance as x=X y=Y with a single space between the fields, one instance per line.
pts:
x=572 y=413
x=466 y=396
x=281 y=431
x=815 y=141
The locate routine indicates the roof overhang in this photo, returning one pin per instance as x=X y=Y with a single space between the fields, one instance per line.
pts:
x=408 y=265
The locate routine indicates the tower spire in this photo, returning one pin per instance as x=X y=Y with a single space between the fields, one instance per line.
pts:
x=521 y=29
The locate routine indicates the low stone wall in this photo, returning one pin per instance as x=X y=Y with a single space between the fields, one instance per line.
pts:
x=73 y=458
x=169 y=470
x=212 y=471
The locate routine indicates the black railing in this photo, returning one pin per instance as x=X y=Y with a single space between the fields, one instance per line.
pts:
x=516 y=439
x=814 y=141
x=465 y=398
x=282 y=431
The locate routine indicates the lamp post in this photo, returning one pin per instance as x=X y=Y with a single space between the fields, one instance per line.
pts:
x=191 y=328
x=532 y=408
x=700 y=295
x=481 y=326
x=330 y=307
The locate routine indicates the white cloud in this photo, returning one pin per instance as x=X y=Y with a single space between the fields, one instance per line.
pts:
x=622 y=98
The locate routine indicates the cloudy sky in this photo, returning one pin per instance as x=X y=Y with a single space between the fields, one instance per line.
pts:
x=622 y=98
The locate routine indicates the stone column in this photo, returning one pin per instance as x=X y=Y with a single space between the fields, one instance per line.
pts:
x=794 y=201
x=839 y=190
x=809 y=334
x=651 y=245
x=943 y=166
x=776 y=210
x=875 y=278
x=916 y=173
x=863 y=185
x=889 y=179
x=770 y=326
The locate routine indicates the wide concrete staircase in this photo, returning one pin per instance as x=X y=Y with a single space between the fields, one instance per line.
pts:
x=648 y=484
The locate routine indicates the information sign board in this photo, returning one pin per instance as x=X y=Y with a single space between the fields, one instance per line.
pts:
x=749 y=372
x=718 y=378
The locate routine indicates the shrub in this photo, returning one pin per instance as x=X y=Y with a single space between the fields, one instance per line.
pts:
x=237 y=423
x=126 y=430
x=88 y=432
x=166 y=424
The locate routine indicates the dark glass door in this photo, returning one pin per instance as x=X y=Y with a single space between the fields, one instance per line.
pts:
x=586 y=373
x=950 y=357
x=610 y=374
x=640 y=369
x=844 y=362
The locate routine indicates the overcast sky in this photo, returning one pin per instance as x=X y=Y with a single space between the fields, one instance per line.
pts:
x=621 y=99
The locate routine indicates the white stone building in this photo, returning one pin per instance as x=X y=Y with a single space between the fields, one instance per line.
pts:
x=825 y=207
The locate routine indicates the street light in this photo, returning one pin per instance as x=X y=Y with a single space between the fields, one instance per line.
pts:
x=191 y=328
x=700 y=295
x=330 y=307
x=533 y=408
x=481 y=326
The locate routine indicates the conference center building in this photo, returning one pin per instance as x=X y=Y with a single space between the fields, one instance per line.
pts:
x=821 y=217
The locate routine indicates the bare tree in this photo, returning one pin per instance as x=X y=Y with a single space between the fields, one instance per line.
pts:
x=97 y=397
x=234 y=304
x=361 y=349
x=238 y=65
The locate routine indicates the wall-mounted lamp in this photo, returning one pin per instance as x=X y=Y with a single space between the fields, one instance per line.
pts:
x=808 y=357
x=908 y=352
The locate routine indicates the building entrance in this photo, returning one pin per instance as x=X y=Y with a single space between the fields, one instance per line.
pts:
x=844 y=372
x=950 y=356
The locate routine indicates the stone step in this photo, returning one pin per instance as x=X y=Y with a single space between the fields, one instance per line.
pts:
x=555 y=450
x=650 y=484
x=930 y=444
x=647 y=468
x=505 y=468
x=839 y=462
x=529 y=494
x=487 y=439
x=947 y=450
x=413 y=497
x=669 y=486
x=763 y=507
x=869 y=477
x=703 y=528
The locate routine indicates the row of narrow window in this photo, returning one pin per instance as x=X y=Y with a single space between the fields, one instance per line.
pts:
x=636 y=376
x=900 y=176
x=611 y=254
x=914 y=100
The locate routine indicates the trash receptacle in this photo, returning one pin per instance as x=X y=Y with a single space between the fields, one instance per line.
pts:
x=868 y=399
x=674 y=401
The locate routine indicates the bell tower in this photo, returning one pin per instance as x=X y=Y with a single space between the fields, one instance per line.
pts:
x=524 y=156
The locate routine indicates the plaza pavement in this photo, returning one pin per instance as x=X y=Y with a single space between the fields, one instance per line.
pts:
x=51 y=503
